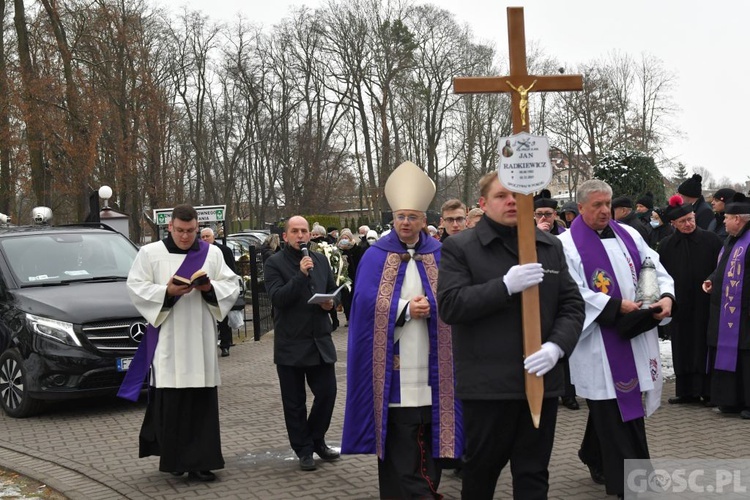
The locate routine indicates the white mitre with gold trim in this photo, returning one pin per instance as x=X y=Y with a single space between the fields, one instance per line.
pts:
x=409 y=188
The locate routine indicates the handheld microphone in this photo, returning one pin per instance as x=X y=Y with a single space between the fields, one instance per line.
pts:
x=305 y=251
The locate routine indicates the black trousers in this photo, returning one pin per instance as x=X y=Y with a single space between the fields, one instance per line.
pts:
x=225 y=334
x=608 y=441
x=570 y=389
x=307 y=431
x=409 y=469
x=499 y=431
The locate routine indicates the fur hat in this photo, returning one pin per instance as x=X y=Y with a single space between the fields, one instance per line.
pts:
x=691 y=187
x=647 y=200
x=677 y=208
x=544 y=200
x=724 y=194
x=739 y=205
x=409 y=188
x=622 y=201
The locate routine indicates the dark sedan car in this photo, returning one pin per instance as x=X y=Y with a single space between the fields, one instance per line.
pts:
x=67 y=326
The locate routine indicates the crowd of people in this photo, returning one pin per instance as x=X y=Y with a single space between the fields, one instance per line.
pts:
x=435 y=361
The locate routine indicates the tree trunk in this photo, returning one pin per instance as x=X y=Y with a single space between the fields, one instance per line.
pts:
x=31 y=112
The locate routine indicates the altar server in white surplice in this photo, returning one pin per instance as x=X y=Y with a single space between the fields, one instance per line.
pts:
x=617 y=360
x=181 y=424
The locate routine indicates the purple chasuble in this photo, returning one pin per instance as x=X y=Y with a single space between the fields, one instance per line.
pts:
x=600 y=277
x=729 y=313
x=132 y=384
x=371 y=374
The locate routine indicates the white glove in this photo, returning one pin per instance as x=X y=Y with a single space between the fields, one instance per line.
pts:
x=544 y=359
x=520 y=277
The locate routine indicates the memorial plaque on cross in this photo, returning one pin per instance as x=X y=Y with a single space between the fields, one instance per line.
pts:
x=520 y=83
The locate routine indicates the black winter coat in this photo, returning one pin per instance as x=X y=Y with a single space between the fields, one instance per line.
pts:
x=704 y=214
x=302 y=331
x=486 y=321
x=689 y=259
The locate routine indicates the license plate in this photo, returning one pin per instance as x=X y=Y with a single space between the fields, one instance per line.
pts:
x=123 y=364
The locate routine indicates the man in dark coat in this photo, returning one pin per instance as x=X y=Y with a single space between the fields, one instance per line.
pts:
x=479 y=294
x=689 y=256
x=718 y=201
x=545 y=213
x=622 y=209
x=729 y=321
x=225 y=332
x=302 y=344
x=692 y=192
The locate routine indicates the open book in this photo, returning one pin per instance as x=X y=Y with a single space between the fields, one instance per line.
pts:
x=198 y=278
x=319 y=298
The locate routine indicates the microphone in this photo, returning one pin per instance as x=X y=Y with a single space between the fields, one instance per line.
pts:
x=305 y=251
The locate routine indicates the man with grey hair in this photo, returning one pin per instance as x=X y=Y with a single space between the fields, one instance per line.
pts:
x=225 y=332
x=617 y=357
x=729 y=321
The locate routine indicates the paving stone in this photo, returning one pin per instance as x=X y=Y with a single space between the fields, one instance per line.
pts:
x=88 y=449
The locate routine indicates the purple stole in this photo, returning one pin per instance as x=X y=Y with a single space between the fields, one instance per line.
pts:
x=600 y=277
x=729 y=312
x=132 y=384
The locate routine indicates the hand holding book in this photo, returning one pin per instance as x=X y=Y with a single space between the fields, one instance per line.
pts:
x=198 y=278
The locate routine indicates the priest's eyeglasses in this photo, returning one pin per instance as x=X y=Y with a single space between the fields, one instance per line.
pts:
x=547 y=215
x=684 y=222
x=410 y=218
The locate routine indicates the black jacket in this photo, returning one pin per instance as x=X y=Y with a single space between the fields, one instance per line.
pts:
x=717 y=226
x=636 y=223
x=302 y=331
x=486 y=321
x=228 y=255
x=704 y=214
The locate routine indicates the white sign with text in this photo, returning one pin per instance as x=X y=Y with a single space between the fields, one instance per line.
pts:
x=524 y=165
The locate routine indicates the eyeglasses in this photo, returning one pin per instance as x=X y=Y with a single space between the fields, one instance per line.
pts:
x=455 y=220
x=410 y=218
x=684 y=222
x=179 y=230
x=541 y=215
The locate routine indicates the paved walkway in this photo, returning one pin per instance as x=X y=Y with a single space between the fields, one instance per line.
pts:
x=88 y=449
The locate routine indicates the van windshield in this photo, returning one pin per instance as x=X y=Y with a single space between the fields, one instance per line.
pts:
x=58 y=258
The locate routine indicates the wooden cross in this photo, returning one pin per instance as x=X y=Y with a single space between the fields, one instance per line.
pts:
x=520 y=83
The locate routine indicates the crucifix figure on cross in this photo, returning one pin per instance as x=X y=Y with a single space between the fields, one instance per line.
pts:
x=520 y=83
x=524 y=96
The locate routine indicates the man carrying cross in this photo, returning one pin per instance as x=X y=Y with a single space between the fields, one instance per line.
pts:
x=479 y=294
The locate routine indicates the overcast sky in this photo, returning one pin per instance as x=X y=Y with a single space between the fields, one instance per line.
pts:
x=700 y=42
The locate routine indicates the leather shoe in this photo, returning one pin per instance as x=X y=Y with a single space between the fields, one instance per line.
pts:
x=202 y=475
x=327 y=453
x=224 y=352
x=745 y=414
x=570 y=403
x=306 y=462
x=596 y=475
x=177 y=473
x=683 y=400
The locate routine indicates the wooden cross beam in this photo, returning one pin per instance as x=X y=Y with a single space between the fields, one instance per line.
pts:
x=520 y=83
